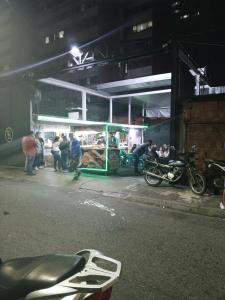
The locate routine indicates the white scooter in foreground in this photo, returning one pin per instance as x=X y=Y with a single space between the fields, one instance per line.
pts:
x=87 y=275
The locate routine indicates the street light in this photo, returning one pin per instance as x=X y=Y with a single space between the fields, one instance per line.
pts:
x=75 y=51
x=78 y=56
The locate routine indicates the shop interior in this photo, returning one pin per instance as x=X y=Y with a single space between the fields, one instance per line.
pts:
x=105 y=146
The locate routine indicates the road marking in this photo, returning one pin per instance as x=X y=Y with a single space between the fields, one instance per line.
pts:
x=116 y=195
x=132 y=187
x=100 y=206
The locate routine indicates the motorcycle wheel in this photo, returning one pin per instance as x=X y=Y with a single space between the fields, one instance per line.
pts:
x=151 y=180
x=197 y=183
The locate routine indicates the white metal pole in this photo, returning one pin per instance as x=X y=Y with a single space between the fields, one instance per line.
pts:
x=129 y=111
x=31 y=115
x=143 y=110
x=110 y=110
x=142 y=131
x=197 y=82
x=84 y=105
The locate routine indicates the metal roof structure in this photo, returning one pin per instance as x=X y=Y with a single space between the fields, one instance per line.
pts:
x=154 y=84
x=148 y=85
x=148 y=91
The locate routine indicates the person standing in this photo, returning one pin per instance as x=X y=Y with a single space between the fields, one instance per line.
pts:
x=64 y=148
x=39 y=150
x=56 y=154
x=29 y=146
x=42 y=160
x=75 y=155
x=112 y=141
x=138 y=152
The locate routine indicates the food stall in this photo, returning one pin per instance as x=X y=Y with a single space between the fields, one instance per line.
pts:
x=102 y=143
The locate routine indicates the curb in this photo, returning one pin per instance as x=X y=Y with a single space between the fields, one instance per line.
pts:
x=160 y=203
x=164 y=204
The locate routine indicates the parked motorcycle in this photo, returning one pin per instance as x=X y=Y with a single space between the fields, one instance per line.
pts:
x=215 y=173
x=87 y=275
x=157 y=170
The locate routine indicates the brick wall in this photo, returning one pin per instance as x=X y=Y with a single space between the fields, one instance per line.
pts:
x=205 y=128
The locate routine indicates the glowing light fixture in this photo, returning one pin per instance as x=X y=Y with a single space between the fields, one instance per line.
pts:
x=75 y=51
x=60 y=120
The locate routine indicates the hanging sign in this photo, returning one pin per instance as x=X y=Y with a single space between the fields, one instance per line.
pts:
x=8 y=134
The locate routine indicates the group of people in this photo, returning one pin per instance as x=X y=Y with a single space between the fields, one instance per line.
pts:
x=164 y=152
x=66 y=153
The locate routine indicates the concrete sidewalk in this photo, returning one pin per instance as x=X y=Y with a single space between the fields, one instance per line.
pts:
x=131 y=188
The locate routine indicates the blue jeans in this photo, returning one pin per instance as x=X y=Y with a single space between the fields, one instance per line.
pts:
x=57 y=159
x=30 y=162
x=74 y=163
x=37 y=160
x=64 y=159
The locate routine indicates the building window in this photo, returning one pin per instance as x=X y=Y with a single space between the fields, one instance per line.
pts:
x=175 y=3
x=61 y=34
x=142 y=26
x=186 y=16
x=47 y=40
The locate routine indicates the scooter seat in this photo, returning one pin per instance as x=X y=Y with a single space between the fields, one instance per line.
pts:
x=21 y=276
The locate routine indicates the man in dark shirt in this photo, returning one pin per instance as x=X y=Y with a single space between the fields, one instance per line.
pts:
x=138 y=152
x=75 y=155
x=112 y=142
x=64 y=147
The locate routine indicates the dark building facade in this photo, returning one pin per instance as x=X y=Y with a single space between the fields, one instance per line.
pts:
x=16 y=50
x=122 y=39
x=119 y=35
x=109 y=30
x=198 y=64
x=119 y=39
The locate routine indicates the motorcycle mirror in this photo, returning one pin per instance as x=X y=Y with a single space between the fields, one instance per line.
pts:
x=193 y=148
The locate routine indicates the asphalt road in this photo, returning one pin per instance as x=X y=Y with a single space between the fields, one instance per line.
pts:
x=165 y=254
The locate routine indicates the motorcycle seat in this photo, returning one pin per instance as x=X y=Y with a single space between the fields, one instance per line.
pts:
x=21 y=276
x=221 y=162
x=176 y=163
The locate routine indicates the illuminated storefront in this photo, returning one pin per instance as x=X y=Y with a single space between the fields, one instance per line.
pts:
x=102 y=143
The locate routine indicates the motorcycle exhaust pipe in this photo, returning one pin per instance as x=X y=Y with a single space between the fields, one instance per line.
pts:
x=155 y=175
